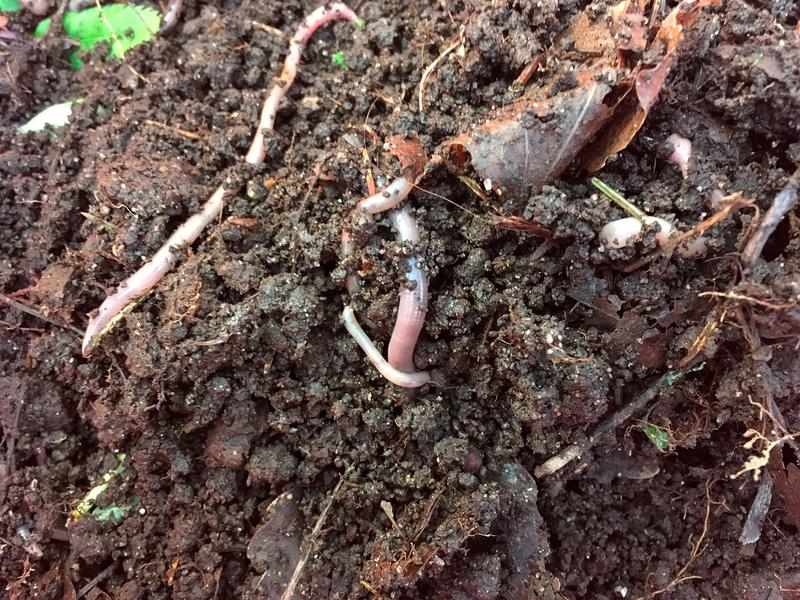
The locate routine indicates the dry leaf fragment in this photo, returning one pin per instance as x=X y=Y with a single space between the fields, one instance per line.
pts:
x=530 y=142
x=631 y=114
x=409 y=152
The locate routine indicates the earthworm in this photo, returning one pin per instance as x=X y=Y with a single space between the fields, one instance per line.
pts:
x=392 y=195
x=681 y=152
x=171 y=14
x=413 y=299
x=151 y=273
x=395 y=376
x=388 y=198
x=311 y=23
x=622 y=232
x=399 y=369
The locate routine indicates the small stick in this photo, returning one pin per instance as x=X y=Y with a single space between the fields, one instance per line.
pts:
x=570 y=453
x=732 y=202
x=310 y=542
x=181 y=132
x=785 y=201
x=430 y=69
x=35 y=313
x=270 y=29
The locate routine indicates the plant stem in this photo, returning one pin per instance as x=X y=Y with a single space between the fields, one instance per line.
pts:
x=617 y=198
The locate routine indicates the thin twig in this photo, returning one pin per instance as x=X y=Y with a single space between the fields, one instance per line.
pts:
x=270 y=29
x=310 y=542
x=781 y=205
x=570 y=453
x=11 y=446
x=97 y=579
x=35 y=313
x=181 y=132
x=431 y=68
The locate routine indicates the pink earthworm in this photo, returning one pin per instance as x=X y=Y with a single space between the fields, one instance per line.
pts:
x=151 y=273
x=413 y=299
x=395 y=376
x=171 y=14
x=388 y=198
x=138 y=284
x=312 y=22
x=681 y=152
x=399 y=369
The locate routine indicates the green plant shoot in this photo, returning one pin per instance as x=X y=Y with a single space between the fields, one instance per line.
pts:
x=338 y=60
x=87 y=504
x=660 y=438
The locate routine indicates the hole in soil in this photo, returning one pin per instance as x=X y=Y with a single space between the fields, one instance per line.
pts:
x=777 y=242
x=697 y=457
x=789 y=456
x=480 y=545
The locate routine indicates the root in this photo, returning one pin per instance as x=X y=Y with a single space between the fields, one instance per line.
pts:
x=432 y=67
x=309 y=543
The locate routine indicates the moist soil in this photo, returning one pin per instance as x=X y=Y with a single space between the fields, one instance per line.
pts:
x=239 y=430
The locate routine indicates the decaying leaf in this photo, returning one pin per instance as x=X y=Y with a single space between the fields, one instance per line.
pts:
x=520 y=224
x=530 y=142
x=787 y=485
x=630 y=114
x=527 y=144
x=409 y=152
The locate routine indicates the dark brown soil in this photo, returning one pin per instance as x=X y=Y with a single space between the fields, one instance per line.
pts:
x=240 y=402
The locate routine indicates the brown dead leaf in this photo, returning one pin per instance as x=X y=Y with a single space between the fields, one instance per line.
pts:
x=520 y=224
x=410 y=154
x=530 y=142
x=787 y=484
x=630 y=115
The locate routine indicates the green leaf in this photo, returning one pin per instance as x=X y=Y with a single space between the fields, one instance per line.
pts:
x=9 y=5
x=660 y=438
x=42 y=28
x=87 y=503
x=122 y=25
x=55 y=116
x=115 y=512
x=338 y=60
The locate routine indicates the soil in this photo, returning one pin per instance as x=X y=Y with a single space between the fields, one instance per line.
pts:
x=232 y=409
